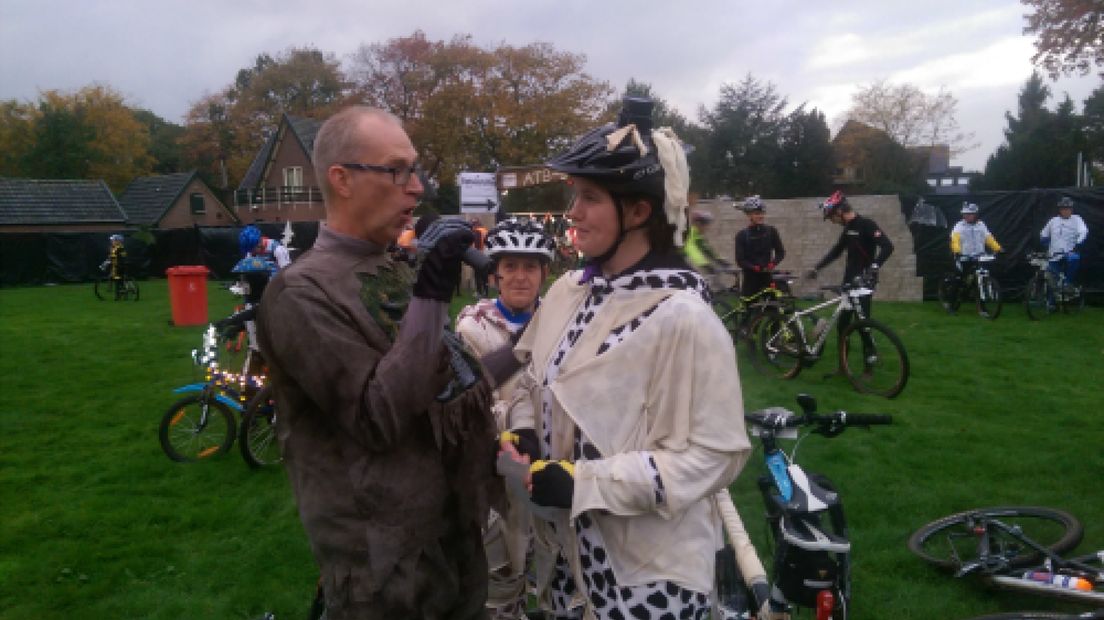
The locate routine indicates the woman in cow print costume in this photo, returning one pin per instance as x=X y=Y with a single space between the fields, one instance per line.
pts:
x=632 y=390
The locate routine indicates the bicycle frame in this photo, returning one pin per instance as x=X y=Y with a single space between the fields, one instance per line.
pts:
x=847 y=301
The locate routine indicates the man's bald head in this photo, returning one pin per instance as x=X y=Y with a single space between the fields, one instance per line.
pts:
x=342 y=137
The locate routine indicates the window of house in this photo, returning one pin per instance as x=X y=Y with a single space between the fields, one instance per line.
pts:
x=293 y=177
x=933 y=182
x=197 y=204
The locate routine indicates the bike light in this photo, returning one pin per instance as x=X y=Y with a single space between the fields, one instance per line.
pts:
x=825 y=604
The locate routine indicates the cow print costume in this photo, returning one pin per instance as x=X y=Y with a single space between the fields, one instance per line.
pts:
x=659 y=600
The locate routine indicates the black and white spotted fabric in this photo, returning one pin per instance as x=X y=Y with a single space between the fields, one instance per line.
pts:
x=657 y=600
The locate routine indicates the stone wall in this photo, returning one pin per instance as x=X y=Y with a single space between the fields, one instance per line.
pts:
x=807 y=238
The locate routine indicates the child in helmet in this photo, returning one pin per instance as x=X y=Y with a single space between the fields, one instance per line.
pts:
x=116 y=259
x=521 y=255
x=631 y=386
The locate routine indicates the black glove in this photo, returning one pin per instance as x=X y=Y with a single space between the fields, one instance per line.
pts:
x=230 y=331
x=525 y=439
x=871 y=276
x=553 y=483
x=440 y=248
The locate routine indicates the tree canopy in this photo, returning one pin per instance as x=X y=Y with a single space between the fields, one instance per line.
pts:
x=1069 y=35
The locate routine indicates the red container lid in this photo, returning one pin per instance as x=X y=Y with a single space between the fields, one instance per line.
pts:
x=187 y=270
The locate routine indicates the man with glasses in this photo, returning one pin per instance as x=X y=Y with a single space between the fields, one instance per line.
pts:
x=385 y=427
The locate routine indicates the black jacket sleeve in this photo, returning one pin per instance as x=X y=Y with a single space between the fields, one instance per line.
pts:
x=741 y=251
x=834 y=253
x=885 y=247
x=779 y=250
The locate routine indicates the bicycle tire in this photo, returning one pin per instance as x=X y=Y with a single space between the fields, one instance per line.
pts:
x=948 y=293
x=257 y=441
x=1035 y=615
x=890 y=361
x=776 y=348
x=989 y=302
x=185 y=439
x=726 y=312
x=923 y=541
x=1036 y=300
x=102 y=289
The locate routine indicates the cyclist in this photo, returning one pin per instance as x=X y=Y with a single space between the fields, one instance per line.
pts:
x=867 y=249
x=262 y=259
x=970 y=237
x=1063 y=237
x=629 y=386
x=758 y=248
x=252 y=243
x=116 y=258
x=699 y=253
x=521 y=255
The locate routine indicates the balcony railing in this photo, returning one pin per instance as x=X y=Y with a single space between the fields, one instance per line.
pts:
x=278 y=197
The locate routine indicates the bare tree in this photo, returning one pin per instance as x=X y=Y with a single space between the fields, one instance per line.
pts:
x=1070 y=35
x=910 y=116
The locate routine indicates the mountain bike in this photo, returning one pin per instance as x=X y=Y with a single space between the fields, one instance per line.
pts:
x=202 y=424
x=1049 y=291
x=806 y=522
x=870 y=355
x=979 y=285
x=738 y=312
x=106 y=287
x=1016 y=548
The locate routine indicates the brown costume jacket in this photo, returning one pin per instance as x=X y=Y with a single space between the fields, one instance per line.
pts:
x=392 y=486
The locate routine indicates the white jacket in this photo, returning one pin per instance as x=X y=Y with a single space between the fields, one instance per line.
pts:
x=1063 y=235
x=671 y=389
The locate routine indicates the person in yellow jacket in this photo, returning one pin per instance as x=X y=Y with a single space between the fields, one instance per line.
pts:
x=969 y=240
x=699 y=253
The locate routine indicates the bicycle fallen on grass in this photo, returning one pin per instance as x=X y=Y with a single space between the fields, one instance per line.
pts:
x=1016 y=548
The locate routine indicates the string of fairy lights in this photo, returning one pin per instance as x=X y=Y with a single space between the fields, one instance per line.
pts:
x=208 y=358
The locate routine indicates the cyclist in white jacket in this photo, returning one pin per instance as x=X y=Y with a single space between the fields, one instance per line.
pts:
x=1063 y=236
x=521 y=254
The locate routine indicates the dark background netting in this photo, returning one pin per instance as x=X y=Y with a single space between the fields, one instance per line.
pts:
x=1015 y=219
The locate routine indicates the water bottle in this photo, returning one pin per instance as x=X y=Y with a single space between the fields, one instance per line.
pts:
x=1063 y=581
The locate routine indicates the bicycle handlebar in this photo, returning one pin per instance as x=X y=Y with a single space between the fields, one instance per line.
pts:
x=778 y=418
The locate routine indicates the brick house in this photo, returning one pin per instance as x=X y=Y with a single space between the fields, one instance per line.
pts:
x=280 y=185
x=167 y=201
x=32 y=205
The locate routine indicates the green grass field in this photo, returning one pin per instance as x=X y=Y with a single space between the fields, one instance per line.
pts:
x=95 y=521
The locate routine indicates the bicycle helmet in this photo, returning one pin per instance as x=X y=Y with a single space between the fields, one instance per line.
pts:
x=116 y=237
x=699 y=216
x=248 y=238
x=835 y=203
x=969 y=208
x=514 y=237
x=1065 y=203
x=629 y=158
x=753 y=203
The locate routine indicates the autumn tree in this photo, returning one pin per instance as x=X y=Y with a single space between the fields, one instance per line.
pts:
x=164 y=144
x=472 y=108
x=910 y=116
x=1069 y=35
x=224 y=131
x=17 y=128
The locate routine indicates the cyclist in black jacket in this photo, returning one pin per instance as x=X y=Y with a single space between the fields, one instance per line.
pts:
x=758 y=249
x=867 y=248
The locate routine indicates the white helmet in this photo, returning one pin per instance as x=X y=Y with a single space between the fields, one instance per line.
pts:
x=968 y=208
x=753 y=203
x=514 y=237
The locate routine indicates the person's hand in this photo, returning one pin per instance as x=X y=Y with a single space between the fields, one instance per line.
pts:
x=524 y=442
x=756 y=268
x=811 y=274
x=770 y=266
x=441 y=247
x=552 y=483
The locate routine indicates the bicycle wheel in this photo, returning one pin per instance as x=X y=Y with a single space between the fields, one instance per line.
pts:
x=949 y=542
x=103 y=289
x=196 y=427
x=258 y=442
x=725 y=307
x=949 y=293
x=130 y=290
x=874 y=359
x=776 y=346
x=989 y=302
x=1036 y=300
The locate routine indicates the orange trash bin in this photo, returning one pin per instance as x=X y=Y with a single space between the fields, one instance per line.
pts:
x=188 y=294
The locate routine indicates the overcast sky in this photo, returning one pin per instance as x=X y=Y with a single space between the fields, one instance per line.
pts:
x=165 y=54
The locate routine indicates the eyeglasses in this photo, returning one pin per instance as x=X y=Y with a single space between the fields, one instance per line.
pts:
x=399 y=176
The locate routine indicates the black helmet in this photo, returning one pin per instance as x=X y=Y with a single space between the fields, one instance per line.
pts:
x=1065 y=203
x=620 y=167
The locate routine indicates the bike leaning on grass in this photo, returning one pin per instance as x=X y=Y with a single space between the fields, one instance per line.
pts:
x=1049 y=290
x=1016 y=548
x=807 y=526
x=977 y=285
x=870 y=354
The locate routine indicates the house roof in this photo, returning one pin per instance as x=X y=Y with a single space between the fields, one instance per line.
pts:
x=304 y=129
x=146 y=200
x=33 y=201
